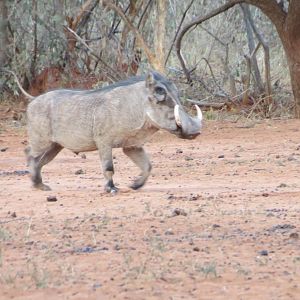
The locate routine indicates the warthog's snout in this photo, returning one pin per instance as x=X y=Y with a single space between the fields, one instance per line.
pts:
x=188 y=127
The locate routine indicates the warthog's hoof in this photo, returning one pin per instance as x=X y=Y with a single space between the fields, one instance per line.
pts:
x=42 y=187
x=114 y=191
x=136 y=185
x=111 y=189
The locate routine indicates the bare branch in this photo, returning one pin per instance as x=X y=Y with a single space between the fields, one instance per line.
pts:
x=196 y=22
x=139 y=37
x=144 y=13
x=142 y=19
x=86 y=16
x=178 y=29
x=246 y=81
x=251 y=46
x=266 y=58
x=112 y=74
x=86 y=7
x=116 y=24
x=214 y=36
x=213 y=76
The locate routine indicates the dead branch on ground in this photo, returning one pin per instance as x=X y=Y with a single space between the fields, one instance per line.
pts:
x=203 y=104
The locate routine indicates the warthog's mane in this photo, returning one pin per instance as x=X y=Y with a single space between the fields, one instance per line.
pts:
x=125 y=82
x=130 y=81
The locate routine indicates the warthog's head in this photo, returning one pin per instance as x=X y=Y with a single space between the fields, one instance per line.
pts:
x=165 y=110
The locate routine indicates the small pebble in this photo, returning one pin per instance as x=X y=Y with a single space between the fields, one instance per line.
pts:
x=170 y=197
x=96 y=286
x=263 y=253
x=117 y=247
x=179 y=212
x=169 y=232
x=187 y=158
x=51 y=199
x=282 y=185
x=78 y=172
x=294 y=235
x=193 y=197
x=216 y=226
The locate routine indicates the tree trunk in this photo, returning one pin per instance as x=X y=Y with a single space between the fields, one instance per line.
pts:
x=3 y=33
x=293 y=58
x=159 y=38
x=291 y=42
x=287 y=25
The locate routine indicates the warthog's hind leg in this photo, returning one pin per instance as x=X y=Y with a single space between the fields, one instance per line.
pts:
x=36 y=163
x=140 y=158
x=108 y=169
x=27 y=153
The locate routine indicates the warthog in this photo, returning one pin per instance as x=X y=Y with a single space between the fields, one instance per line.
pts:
x=121 y=115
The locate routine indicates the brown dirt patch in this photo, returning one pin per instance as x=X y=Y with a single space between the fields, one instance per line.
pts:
x=218 y=218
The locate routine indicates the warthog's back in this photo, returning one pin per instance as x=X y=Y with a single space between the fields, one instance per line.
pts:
x=72 y=118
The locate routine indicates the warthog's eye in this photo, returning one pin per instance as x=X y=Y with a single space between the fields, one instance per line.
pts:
x=159 y=90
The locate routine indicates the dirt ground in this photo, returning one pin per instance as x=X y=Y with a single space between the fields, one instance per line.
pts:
x=218 y=219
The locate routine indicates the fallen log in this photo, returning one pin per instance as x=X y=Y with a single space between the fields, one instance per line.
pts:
x=204 y=104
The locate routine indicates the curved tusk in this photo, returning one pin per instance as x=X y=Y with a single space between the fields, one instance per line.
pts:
x=176 y=114
x=199 y=113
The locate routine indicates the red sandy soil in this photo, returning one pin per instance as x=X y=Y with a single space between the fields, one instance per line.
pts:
x=219 y=218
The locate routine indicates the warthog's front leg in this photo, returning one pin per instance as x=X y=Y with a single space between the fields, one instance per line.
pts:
x=140 y=158
x=108 y=168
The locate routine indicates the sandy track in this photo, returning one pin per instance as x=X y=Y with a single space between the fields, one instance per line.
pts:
x=219 y=218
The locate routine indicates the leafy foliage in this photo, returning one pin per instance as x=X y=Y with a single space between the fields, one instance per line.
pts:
x=39 y=40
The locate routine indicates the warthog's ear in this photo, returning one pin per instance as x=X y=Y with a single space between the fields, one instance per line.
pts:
x=150 y=80
x=157 y=90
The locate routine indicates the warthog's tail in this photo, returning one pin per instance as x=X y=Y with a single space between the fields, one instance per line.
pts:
x=18 y=83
